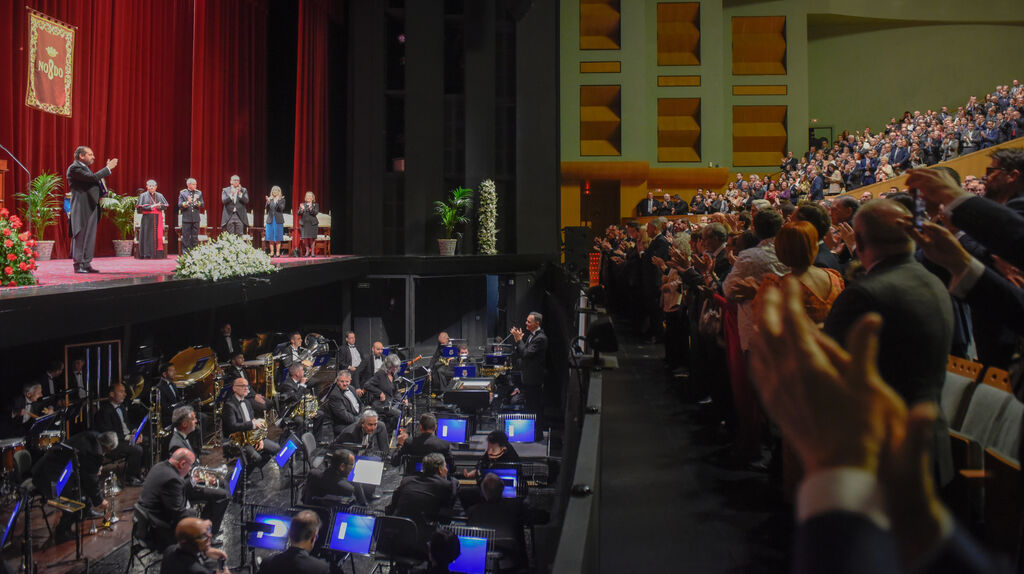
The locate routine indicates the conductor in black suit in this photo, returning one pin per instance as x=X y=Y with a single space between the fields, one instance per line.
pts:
x=240 y=415
x=915 y=306
x=113 y=417
x=342 y=404
x=86 y=189
x=425 y=443
x=531 y=349
x=302 y=533
x=235 y=198
x=190 y=204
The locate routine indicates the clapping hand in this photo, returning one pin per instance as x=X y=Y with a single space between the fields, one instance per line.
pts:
x=704 y=263
x=111 y=164
x=516 y=333
x=745 y=289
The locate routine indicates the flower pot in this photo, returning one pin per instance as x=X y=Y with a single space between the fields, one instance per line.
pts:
x=447 y=246
x=45 y=249
x=123 y=247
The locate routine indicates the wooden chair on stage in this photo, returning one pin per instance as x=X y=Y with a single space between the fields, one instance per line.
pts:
x=322 y=245
x=289 y=228
x=138 y=226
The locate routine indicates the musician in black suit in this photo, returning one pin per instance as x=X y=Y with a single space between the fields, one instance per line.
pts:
x=90 y=447
x=292 y=351
x=86 y=188
x=295 y=385
x=302 y=533
x=374 y=361
x=193 y=553
x=235 y=368
x=381 y=389
x=436 y=379
x=350 y=359
x=26 y=407
x=330 y=486
x=342 y=404
x=50 y=381
x=425 y=442
x=531 y=349
x=422 y=497
x=216 y=499
x=225 y=344
x=240 y=416
x=916 y=308
x=190 y=204
x=234 y=198
x=163 y=495
x=366 y=432
x=169 y=393
x=113 y=417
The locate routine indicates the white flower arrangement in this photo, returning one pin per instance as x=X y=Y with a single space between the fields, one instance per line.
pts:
x=487 y=234
x=227 y=256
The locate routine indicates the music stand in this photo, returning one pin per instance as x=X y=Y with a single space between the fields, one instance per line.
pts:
x=286 y=456
x=69 y=505
x=475 y=544
x=41 y=424
x=351 y=533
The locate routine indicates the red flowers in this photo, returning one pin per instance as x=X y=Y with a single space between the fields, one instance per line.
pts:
x=24 y=236
x=12 y=257
x=8 y=243
x=7 y=233
x=4 y=212
x=8 y=270
x=23 y=266
x=15 y=221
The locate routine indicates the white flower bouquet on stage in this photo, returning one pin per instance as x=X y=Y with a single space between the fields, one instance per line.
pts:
x=227 y=256
x=487 y=233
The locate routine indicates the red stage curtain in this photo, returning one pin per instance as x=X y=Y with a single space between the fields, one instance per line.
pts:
x=311 y=141
x=126 y=102
x=229 y=77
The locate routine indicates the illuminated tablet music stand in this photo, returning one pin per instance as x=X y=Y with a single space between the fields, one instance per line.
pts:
x=520 y=427
x=474 y=545
x=351 y=533
x=69 y=505
x=286 y=456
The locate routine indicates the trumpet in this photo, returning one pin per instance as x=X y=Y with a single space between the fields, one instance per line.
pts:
x=209 y=477
x=248 y=438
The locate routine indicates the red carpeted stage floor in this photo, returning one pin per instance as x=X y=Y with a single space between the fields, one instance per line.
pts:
x=61 y=271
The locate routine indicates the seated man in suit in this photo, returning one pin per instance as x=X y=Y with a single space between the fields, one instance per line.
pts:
x=342 y=405
x=425 y=443
x=366 y=434
x=373 y=363
x=302 y=535
x=236 y=367
x=292 y=351
x=422 y=497
x=240 y=416
x=505 y=517
x=193 y=553
x=113 y=417
x=330 y=486
x=91 y=447
x=381 y=389
x=216 y=499
x=163 y=495
x=26 y=407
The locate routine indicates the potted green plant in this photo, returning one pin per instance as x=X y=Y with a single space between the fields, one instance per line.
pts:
x=120 y=209
x=453 y=212
x=41 y=203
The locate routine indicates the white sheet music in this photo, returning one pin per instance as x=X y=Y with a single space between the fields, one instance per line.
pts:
x=368 y=472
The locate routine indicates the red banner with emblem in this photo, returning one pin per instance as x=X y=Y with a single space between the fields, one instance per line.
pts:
x=51 y=64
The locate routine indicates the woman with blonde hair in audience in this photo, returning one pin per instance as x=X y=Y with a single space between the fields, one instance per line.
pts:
x=796 y=245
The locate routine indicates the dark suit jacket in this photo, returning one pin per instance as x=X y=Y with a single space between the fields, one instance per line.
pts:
x=1000 y=228
x=176 y=442
x=290 y=392
x=220 y=346
x=380 y=383
x=326 y=483
x=308 y=222
x=847 y=543
x=274 y=211
x=236 y=206
x=294 y=561
x=340 y=409
x=421 y=498
x=353 y=433
x=163 y=494
x=344 y=361
x=645 y=208
x=231 y=373
x=169 y=396
x=532 y=352
x=285 y=350
x=233 y=420
x=107 y=420
x=916 y=336
x=826 y=259
x=424 y=444
x=190 y=214
x=84 y=186
x=367 y=369
x=178 y=561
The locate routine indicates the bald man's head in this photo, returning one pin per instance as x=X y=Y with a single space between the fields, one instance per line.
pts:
x=880 y=228
x=193 y=534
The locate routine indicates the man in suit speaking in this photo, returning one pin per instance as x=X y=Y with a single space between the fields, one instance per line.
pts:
x=531 y=348
x=86 y=188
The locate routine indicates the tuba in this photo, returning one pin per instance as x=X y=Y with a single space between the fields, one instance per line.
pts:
x=248 y=438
